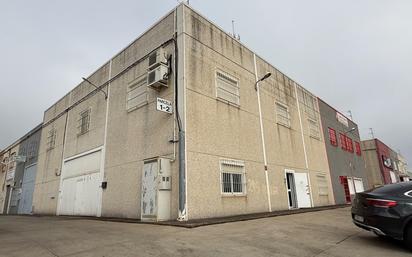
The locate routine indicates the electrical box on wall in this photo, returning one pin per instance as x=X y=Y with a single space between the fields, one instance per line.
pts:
x=156 y=190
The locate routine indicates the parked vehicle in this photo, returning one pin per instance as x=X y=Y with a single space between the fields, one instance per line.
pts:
x=386 y=211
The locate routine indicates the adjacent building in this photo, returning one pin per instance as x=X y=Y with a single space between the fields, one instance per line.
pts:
x=379 y=162
x=178 y=124
x=9 y=163
x=346 y=164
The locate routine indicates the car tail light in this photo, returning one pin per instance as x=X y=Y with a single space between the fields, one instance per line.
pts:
x=381 y=203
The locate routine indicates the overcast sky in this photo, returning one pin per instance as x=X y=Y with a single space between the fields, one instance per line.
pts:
x=355 y=54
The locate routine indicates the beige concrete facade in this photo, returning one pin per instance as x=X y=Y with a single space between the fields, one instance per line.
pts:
x=215 y=130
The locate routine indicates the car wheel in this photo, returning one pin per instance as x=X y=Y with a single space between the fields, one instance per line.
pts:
x=408 y=237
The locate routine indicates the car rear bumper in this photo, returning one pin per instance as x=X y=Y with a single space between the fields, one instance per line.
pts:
x=369 y=228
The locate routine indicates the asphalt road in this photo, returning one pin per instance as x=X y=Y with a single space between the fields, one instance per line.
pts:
x=324 y=233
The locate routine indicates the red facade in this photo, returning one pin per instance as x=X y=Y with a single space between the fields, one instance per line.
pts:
x=383 y=152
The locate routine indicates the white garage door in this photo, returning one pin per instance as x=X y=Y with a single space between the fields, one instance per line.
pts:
x=80 y=188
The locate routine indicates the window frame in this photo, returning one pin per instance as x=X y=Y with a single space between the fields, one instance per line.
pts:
x=349 y=144
x=316 y=122
x=324 y=176
x=333 y=142
x=219 y=73
x=342 y=139
x=140 y=81
x=80 y=122
x=239 y=164
x=358 y=148
x=288 y=118
x=51 y=139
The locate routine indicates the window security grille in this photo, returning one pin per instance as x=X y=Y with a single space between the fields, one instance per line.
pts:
x=314 y=128
x=282 y=115
x=84 y=122
x=322 y=184
x=227 y=88
x=137 y=94
x=232 y=177
x=332 y=137
x=51 y=139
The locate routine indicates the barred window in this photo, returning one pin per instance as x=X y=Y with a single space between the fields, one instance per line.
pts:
x=137 y=94
x=51 y=139
x=282 y=115
x=322 y=184
x=84 y=122
x=332 y=137
x=227 y=88
x=314 y=128
x=233 y=180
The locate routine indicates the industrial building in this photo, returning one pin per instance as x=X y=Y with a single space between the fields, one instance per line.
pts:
x=184 y=123
x=381 y=163
x=346 y=164
x=178 y=124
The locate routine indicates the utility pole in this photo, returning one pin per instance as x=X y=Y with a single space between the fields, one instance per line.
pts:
x=371 y=133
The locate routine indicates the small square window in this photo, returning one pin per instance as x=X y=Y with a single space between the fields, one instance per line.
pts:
x=233 y=180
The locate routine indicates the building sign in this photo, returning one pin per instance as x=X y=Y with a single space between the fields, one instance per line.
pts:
x=164 y=105
x=342 y=119
x=10 y=174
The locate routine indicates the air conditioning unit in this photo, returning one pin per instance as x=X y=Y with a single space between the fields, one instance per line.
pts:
x=157 y=58
x=158 y=76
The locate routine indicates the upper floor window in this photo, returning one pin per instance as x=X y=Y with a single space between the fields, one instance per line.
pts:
x=84 y=122
x=349 y=144
x=233 y=181
x=358 y=149
x=282 y=114
x=342 y=138
x=51 y=138
x=137 y=94
x=332 y=137
x=314 y=128
x=227 y=88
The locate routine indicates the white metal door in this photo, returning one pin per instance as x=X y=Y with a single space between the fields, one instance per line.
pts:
x=393 y=177
x=149 y=191
x=302 y=190
x=80 y=188
x=26 y=201
x=359 y=185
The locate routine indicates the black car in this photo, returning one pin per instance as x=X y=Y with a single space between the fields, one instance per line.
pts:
x=386 y=211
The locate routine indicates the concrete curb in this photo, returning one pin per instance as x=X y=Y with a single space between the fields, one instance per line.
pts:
x=200 y=222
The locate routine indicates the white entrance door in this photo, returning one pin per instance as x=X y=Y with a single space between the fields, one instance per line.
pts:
x=302 y=190
x=359 y=185
x=149 y=191
x=80 y=188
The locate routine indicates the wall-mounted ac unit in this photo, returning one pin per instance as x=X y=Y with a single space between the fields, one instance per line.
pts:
x=156 y=58
x=158 y=76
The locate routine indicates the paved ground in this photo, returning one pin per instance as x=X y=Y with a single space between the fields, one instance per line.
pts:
x=325 y=233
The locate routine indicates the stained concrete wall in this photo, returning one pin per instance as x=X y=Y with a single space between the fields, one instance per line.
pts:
x=131 y=137
x=372 y=165
x=218 y=130
x=341 y=162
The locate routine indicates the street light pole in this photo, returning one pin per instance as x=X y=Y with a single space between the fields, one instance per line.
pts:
x=257 y=88
x=98 y=88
